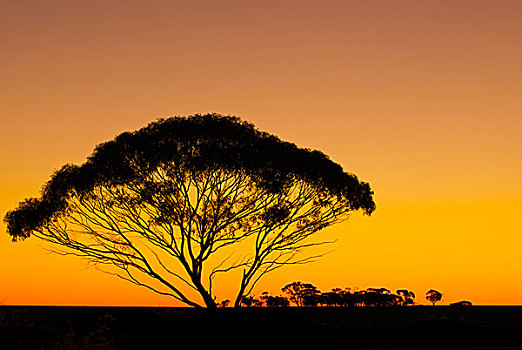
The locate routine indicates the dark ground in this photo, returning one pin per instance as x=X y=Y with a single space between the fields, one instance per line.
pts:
x=40 y=327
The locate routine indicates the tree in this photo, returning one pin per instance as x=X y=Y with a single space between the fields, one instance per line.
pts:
x=224 y=303
x=433 y=296
x=407 y=297
x=332 y=298
x=347 y=297
x=274 y=300
x=461 y=303
x=250 y=301
x=379 y=297
x=302 y=294
x=168 y=206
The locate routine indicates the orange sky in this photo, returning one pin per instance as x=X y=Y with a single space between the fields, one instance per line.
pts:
x=420 y=98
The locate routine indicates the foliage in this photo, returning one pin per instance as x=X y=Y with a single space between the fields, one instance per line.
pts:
x=433 y=296
x=302 y=294
x=307 y=295
x=165 y=203
x=379 y=297
x=274 y=301
x=224 y=303
x=461 y=303
x=408 y=297
x=251 y=301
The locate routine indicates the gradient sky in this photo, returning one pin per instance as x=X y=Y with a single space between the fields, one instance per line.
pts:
x=423 y=99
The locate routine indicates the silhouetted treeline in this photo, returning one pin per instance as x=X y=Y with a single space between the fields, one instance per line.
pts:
x=307 y=295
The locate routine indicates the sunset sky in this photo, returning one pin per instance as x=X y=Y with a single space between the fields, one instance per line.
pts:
x=422 y=99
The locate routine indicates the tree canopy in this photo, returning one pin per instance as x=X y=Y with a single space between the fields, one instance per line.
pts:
x=158 y=203
x=433 y=296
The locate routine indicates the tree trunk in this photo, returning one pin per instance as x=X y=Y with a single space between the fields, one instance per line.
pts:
x=237 y=302
x=210 y=303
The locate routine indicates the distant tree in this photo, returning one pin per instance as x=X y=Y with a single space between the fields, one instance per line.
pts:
x=250 y=301
x=247 y=301
x=379 y=297
x=277 y=301
x=302 y=294
x=461 y=303
x=371 y=298
x=359 y=297
x=332 y=298
x=379 y=290
x=433 y=296
x=312 y=298
x=393 y=300
x=407 y=297
x=293 y=290
x=162 y=205
x=274 y=301
x=224 y=303
x=347 y=297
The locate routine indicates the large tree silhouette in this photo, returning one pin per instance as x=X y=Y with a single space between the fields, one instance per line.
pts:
x=169 y=205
